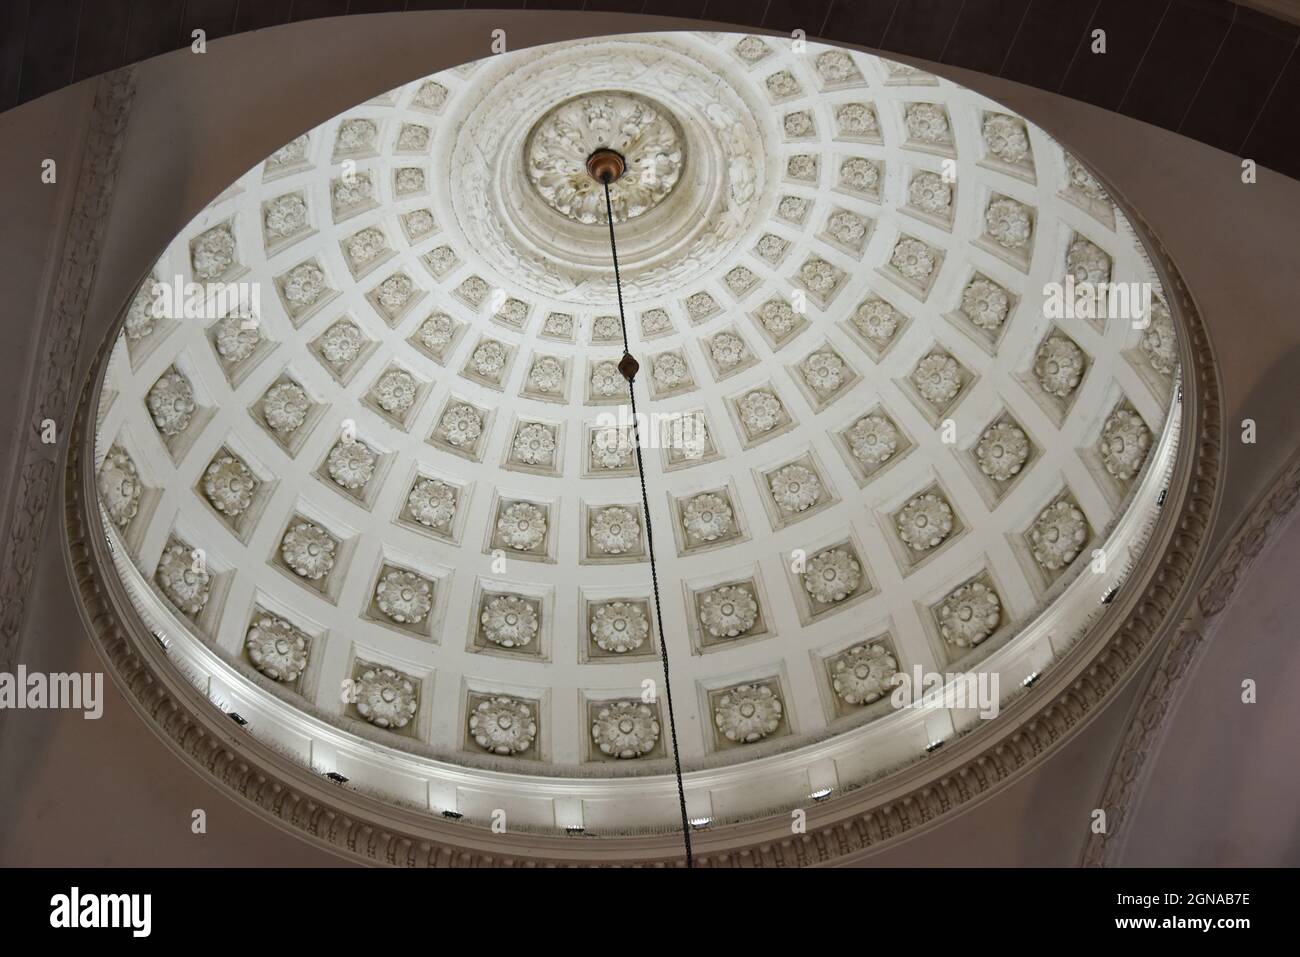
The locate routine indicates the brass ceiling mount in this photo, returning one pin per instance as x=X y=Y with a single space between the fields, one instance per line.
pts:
x=606 y=165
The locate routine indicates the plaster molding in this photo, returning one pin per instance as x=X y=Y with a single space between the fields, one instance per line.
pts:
x=969 y=769
x=797 y=405
x=1151 y=720
x=716 y=158
x=58 y=349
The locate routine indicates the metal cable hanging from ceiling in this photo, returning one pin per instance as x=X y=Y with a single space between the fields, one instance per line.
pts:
x=606 y=166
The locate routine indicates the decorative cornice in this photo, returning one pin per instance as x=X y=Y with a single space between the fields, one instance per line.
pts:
x=970 y=768
x=1150 y=722
x=59 y=348
x=1257 y=531
x=805 y=469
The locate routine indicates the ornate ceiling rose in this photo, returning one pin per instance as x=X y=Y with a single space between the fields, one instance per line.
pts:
x=503 y=725
x=832 y=575
x=696 y=154
x=119 y=487
x=645 y=135
x=862 y=674
x=386 y=698
x=619 y=627
x=276 y=648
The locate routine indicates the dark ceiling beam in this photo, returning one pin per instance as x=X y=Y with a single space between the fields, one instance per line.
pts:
x=1224 y=73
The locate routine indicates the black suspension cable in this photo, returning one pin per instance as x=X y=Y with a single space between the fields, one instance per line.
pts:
x=628 y=366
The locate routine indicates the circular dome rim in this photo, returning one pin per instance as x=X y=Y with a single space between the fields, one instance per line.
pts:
x=275 y=787
x=1183 y=452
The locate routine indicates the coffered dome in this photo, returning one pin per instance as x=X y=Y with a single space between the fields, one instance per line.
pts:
x=382 y=499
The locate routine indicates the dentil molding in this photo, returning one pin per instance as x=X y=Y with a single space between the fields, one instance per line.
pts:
x=59 y=347
x=969 y=768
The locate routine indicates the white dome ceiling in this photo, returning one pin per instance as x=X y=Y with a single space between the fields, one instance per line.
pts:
x=389 y=504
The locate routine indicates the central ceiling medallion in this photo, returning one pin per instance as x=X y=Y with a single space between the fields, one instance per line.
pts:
x=645 y=135
x=697 y=156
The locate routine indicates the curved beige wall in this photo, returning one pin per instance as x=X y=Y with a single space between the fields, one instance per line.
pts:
x=199 y=121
